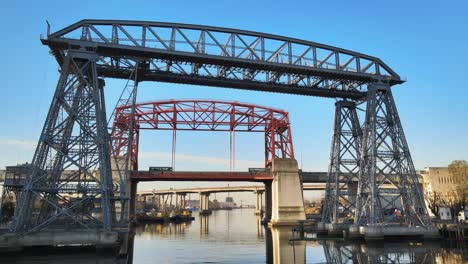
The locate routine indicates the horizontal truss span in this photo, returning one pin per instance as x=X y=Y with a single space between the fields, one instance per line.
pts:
x=204 y=115
x=224 y=57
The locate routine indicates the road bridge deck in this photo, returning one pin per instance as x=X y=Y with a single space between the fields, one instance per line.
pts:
x=307 y=177
x=251 y=188
x=200 y=176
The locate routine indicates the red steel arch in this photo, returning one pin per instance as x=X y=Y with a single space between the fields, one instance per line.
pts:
x=203 y=115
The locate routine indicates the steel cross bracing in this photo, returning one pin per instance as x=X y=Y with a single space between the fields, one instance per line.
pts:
x=345 y=156
x=386 y=159
x=339 y=253
x=223 y=57
x=74 y=137
x=122 y=164
x=75 y=134
x=204 y=115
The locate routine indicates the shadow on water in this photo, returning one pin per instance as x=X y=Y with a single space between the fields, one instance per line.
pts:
x=237 y=236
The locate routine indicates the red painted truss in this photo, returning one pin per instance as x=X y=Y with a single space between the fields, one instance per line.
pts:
x=203 y=115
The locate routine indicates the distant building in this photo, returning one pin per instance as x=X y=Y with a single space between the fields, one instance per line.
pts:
x=229 y=203
x=439 y=180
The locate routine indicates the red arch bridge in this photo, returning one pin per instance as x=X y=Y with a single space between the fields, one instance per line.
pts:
x=202 y=115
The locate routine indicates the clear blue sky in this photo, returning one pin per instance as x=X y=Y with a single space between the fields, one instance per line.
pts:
x=424 y=41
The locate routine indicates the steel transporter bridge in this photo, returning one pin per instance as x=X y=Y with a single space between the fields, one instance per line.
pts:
x=372 y=152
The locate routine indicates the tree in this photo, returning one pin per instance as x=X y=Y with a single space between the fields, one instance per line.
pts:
x=459 y=171
x=7 y=211
x=433 y=202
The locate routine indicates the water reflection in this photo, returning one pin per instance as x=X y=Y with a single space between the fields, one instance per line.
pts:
x=152 y=231
x=392 y=252
x=259 y=227
x=204 y=225
x=237 y=236
x=280 y=248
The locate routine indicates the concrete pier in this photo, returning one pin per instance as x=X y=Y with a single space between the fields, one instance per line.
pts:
x=205 y=204
x=133 y=195
x=287 y=198
x=322 y=229
x=379 y=232
x=354 y=232
x=268 y=201
x=258 y=202
x=99 y=239
x=336 y=229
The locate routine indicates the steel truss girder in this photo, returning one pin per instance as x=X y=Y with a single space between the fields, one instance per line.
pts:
x=203 y=115
x=344 y=165
x=386 y=159
x=75 y=137
x=223 y=57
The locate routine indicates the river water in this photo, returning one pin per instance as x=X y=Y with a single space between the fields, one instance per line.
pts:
x=238 y=237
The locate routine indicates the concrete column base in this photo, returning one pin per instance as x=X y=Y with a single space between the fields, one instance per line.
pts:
x=354 y=232
x=336 y=230
x=321 y=229
x=287 y=199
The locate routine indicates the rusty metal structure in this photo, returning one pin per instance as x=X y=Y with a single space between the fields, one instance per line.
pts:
x=204 y=115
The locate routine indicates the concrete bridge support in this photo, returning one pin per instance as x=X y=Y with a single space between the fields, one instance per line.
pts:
x=204 y=204
x=182 y=202
x=133 y=200
x=259 y=202
x=287 y=198
x=268 y=200
x=160 y=201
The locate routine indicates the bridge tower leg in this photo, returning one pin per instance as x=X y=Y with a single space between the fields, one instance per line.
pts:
x=386 y=159
x=74 y=137
x=343 y=171
x=287 y=197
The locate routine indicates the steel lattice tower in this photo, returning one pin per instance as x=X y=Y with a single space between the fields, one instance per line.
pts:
x=75 y=138
x=75 y=134
x=344 y=165
x=386 y=159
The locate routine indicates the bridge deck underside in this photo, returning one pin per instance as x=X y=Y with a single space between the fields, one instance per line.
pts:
x=200 y=176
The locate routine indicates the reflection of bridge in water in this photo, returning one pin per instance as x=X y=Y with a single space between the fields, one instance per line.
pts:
x=280 y=249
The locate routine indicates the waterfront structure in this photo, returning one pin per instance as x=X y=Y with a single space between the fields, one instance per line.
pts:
x=75 y=132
